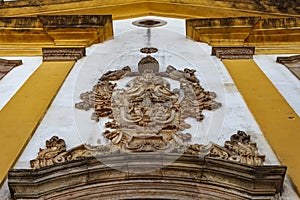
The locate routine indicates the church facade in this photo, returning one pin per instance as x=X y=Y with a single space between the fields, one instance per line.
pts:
x=149 y=99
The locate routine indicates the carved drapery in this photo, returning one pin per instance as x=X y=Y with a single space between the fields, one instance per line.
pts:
x=148 y=115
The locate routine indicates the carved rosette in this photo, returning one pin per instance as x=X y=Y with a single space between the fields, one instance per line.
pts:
x=148 y=115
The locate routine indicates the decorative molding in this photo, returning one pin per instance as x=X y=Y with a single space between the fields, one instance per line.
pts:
x=182 y=9
x=147 y=116
x=31 y=34
x=10 y=63
x=178 y=176
x=239 y=149
x=148 y=63
x=63 y=54
x=265 y=34
x=292 y=63
x=148 y=50
x=7 y=65
x=288 y=59
x=233 y=52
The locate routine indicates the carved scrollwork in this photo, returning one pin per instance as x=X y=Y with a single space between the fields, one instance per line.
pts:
x=147 y=115
x=55 y=152
x=239 y=149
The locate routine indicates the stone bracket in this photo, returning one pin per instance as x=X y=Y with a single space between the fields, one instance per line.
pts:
x=233 y=52
x=63 y=54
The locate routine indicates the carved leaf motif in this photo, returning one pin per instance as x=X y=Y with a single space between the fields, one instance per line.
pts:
x=148 y=115
x=239 y=149
x=55 y=152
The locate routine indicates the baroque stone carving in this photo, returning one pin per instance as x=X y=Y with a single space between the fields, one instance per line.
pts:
x=63 y=54
x=148 y=115
x=148 y=63
x=239 y=149
x=55 y=152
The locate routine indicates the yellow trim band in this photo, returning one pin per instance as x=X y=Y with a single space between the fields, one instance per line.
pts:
x=23 y=113
x=278 y=121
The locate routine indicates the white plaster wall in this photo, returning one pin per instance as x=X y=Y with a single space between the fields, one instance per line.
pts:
x=75 y=126
x=14 y=79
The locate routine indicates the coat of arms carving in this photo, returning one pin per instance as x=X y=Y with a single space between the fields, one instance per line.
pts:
x=149 y=113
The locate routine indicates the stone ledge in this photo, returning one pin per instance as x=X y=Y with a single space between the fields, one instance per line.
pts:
x=172 y=176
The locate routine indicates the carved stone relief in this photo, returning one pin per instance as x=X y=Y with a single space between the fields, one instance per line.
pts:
x=55 y=152
x=239 y=149
x=148 y=115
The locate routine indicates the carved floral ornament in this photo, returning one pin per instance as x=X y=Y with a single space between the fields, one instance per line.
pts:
x=148 y=116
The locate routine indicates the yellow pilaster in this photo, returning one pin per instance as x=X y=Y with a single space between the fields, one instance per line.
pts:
x=278 y=121
x=23 y=113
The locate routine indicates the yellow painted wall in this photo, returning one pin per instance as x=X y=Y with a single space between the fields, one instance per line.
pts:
x=23 y=113
x=278 y=121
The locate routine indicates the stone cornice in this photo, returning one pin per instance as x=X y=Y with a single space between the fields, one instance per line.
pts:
x=28 y=35
x=189 y=177
x=267 y=35
x=221 y=8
